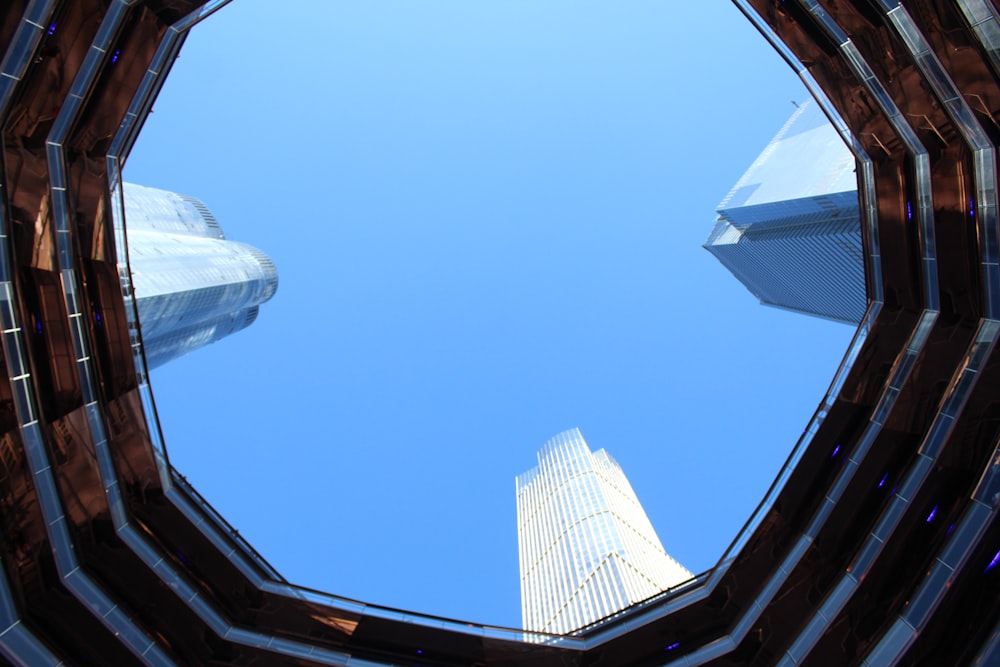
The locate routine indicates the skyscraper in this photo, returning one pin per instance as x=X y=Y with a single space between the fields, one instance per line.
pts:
x=192 y=285
x=110 y=557
x=795 y=243
x=586 y=547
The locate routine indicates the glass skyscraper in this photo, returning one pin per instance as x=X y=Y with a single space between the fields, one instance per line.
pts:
x=586 y=547
x=795 y=243
x=110 y=557
x=192 y=285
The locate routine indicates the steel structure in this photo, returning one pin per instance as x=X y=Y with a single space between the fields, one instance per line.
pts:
x=876 y=545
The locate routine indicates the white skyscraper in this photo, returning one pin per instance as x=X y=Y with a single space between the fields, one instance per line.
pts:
x=586 y=547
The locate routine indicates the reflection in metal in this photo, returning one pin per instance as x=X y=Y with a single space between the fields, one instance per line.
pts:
x=18 y=643
x=79 y=584
x=949 y=563
x=87 y=484
x=984 y=160
x=982 y=18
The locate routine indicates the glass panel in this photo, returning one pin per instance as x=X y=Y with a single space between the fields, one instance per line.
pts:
x=8 y=612
x=62 y=545
x=890 y=518
x=915 y=478
x=15 y=360
x=892 y=644
x=204 y=610
x=966 y=536
x=22 y=647
x=976 y=11
x=931 y=590
x=937 y=436
x=912 y=36
x=86 y=591
x=117 y=507
x=246 y=637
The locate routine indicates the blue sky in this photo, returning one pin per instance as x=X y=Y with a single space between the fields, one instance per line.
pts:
x=487 y=220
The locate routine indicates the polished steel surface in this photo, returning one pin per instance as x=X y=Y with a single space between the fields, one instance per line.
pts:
x=876 y=545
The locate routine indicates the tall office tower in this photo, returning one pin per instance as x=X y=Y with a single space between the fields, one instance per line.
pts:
x=192 y=285
x=586 y=547
x=790 y=228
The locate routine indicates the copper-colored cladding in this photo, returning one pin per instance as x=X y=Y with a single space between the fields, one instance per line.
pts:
x=193 y=603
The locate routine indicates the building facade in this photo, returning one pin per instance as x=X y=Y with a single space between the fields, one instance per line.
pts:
x=586 y=547
x=876 y=544
x=192 y=285
x=795 y=243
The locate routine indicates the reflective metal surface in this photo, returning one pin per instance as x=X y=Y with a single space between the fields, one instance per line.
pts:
x=877 y=544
